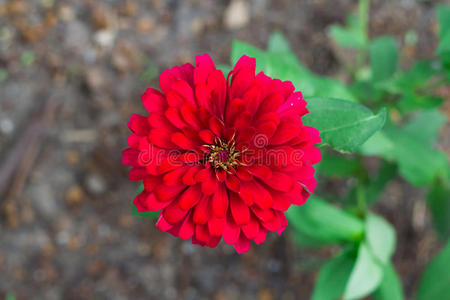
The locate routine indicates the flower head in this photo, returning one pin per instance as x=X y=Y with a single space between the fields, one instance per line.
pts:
x=222 y=157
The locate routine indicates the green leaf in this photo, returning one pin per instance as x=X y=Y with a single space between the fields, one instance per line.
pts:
x=376 y=185
x=338 y=166
x=351 y=36
x=286 y=66
x=331 y=88
x=278 y=43
x=380 y=237
x=372 y=189
x=147 y=214
x=443 y=13
x=395 y=144
x=342 y=124
x=439 y=202
x=425 y=126
x=411 y=101
x=444 y=45
x=324 y=223
x=225 y=69
x=366 y=276
x=390 y=287
x=435 y=282
x=383 y=58
x=333 y=276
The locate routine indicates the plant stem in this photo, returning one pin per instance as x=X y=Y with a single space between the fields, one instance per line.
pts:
x=363 y=16
x=361 y=198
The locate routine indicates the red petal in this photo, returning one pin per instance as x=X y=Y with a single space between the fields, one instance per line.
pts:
x=162 y=224
x=165 y=193
x=173 y=115
x=189 y=176
x=230 y=231
x=260 y=171
x=207 y=136
x=279 y=181
x=173 y=213
x=138 y=124
x=251 y=229
x=150 y=182
x=287 y=130
x=157 y=120
x=154 y=204
x=153 y=101
x=202 y=233
x=182 y=141
x=184 y=90
x=220 y=201
x=209 y=185
x=281 y=201
x=261 y=237
x=201 y=211
x=186 y=230
x=233 y=183
x=216 y=226
x=166 y=79
x=242 y=245
x=271 y=104
x=137 y=173
x=161 y=138
x=190 y=196
x=265 y=215
x=174 y=178
x=239 y=210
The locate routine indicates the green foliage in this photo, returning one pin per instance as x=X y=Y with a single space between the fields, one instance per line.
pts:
x=350 y=36
x=320 y=223
x=338 y=166
x=443 y=14
x=380 y=237
x=390 y=287
x=147 y=214
x=281 y=63
x=402 y=134
x=395 y=144
x=366 y=276
x=333 y=276
x=383 y=58
x=342 y=124
x=435 y=282
x=439 y=202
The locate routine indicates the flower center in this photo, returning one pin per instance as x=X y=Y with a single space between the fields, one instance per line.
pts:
x=223 y=155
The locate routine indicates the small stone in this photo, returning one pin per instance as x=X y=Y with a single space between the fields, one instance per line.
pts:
x=105 y=38
x=129 y=8
x=17 y=7
x=145 y=24
x=66 y=12
x=95 y=184
x=72 y=157
x=74 y=195
x=126 y=56
x=103 y=17
x=95 y=78
x=265 y=294
x=6 y=126
x=237 y=14
x=126 y=220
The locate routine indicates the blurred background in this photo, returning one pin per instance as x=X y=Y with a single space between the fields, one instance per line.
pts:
x=72 y=72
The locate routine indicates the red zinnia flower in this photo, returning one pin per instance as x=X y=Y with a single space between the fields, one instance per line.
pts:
x=222 y=157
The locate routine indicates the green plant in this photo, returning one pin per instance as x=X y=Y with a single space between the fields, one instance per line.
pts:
x=406 y=102
x=382 y=111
